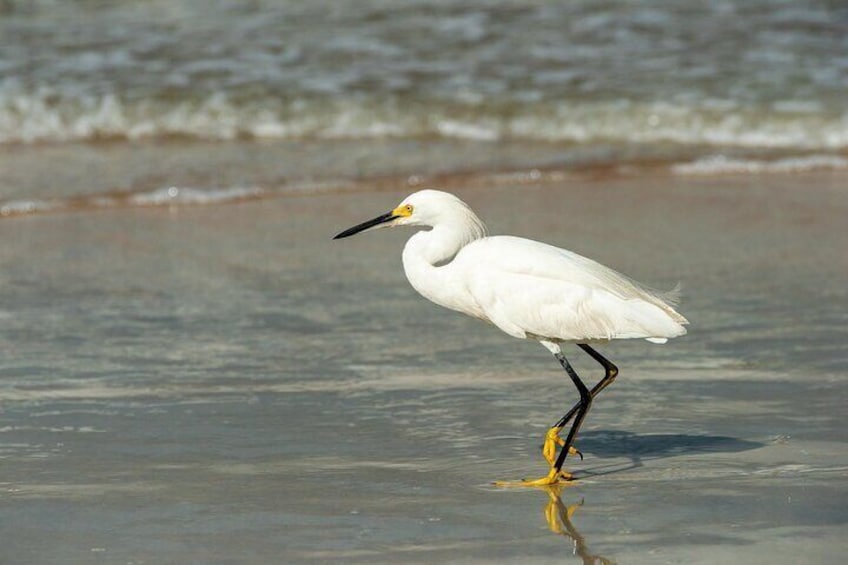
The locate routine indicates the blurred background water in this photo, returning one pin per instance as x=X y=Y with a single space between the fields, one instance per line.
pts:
x=651 y=78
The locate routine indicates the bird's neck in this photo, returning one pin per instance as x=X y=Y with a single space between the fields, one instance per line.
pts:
x=440 y=245
x=429 y=255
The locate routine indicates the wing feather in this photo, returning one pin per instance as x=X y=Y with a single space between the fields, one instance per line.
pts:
x=531 y=289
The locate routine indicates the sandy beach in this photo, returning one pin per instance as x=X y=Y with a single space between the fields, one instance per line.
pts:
x=225 y=384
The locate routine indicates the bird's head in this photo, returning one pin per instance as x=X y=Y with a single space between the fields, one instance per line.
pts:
x=422 y=208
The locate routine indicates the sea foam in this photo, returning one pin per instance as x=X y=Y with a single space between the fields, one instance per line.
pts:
x=720 y=164
x=173 y=195
x=44 y=115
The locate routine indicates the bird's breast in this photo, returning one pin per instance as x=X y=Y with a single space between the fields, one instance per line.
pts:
x=444 y=285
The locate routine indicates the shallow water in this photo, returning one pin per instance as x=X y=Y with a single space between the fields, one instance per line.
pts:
x=224 y=384
x=193 y=372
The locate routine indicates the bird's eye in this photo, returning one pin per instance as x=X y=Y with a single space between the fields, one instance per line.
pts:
x=408 y=208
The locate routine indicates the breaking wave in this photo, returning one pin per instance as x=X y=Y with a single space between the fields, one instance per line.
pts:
x=720 y=164
x=45 y=116
x=166 y=196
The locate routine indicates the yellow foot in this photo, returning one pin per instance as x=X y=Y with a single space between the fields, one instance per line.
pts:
x=553 y=477
x=552 y=440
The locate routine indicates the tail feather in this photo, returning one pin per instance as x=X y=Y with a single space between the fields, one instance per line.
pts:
x=671 y=297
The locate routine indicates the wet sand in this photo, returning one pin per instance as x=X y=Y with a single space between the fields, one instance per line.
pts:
x=225 y=384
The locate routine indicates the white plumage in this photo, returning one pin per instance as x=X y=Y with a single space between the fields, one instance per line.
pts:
x=528 y=289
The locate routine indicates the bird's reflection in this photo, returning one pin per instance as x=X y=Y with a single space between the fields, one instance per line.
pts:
x=559 y=517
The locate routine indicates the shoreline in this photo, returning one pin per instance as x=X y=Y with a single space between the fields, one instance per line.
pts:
x=224 y=173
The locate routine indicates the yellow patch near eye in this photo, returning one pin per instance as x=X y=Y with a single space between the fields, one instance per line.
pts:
x=403 y=211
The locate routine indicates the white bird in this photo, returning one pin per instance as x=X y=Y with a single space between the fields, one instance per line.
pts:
x=530 y=290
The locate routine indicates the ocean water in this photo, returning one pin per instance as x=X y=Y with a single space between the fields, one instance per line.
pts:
x=235 y=100
x=758 y=75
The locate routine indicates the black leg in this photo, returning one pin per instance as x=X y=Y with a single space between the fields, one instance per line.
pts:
x=582 y=409
x=611 y=371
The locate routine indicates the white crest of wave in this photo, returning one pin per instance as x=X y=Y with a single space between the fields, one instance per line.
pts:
x=45 y=114
x=700 y=124
x=166 y=196
x=187 y=195
x=720 y=164
x=469 y=130
x=24 y=207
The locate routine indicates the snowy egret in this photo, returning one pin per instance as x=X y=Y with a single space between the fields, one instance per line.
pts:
x=530 y=290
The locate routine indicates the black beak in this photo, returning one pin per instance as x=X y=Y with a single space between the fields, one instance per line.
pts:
x=387 y=217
